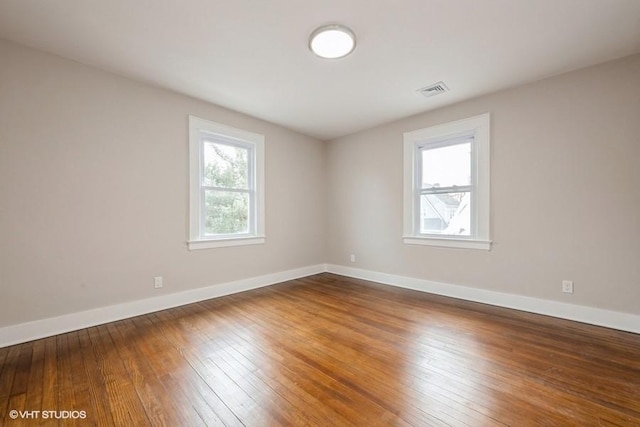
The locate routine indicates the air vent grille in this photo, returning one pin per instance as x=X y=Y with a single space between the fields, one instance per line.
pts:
x=434 y=89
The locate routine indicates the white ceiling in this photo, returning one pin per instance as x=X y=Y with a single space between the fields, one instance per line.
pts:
x=252 y=55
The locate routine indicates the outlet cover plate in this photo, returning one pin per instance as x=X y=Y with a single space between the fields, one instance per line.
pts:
x=567 y=286
x=157 y=282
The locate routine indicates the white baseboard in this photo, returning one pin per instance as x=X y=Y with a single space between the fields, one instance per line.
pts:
x=16 y=334
x=594 y=316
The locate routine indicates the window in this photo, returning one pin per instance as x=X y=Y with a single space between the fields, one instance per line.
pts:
x=446 y=184
x=226 y=186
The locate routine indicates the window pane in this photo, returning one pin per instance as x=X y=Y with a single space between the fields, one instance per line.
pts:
x=446 y=214
x=225 y=166
x=226 y=212
x=446 y=166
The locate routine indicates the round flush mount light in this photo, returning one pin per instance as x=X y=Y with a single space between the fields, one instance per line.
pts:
x=332 y=41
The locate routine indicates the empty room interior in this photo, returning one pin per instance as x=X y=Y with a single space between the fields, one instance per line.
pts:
x=334 y=213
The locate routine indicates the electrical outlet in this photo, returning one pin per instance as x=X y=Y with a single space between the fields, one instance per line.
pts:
x=567 y=286
x=353 y=258
x=157 y=282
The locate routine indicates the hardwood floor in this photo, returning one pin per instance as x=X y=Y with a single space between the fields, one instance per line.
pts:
x=327 y=351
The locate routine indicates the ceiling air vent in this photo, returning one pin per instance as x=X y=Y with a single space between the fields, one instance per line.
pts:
x=433 y=89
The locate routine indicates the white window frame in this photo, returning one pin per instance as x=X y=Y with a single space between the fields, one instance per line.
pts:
x=201 y=131
x=478 y=127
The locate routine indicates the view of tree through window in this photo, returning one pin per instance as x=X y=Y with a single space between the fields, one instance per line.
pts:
x=446 y=189
x=226 y=188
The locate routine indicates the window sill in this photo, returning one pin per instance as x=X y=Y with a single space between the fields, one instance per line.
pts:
x=448 y=242
x=223 y=243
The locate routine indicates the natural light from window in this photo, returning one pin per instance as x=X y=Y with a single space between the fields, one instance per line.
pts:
x=227 y=193
x=445 y=194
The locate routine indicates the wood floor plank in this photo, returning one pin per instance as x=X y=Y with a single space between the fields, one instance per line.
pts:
x=66 y=397
x=303 y=362
x=262 y=362
x=296 y=400
x=9 y=370
x=101 y=413
x=50 y=376
x=303 y=404
x=4 y=351
x=154 y=397
x=170 y=366
x=82 y=398
x=571 y=377
x=21 y=377
x=125 y=410
x=325 y=358
x=329 y=350
x=33 y=399
x=185 y=378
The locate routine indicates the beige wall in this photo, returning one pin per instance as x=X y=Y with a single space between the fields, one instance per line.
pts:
x=565 y=200
x=94 y=191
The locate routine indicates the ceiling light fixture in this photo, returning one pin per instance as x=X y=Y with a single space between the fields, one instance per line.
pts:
x=332 y=41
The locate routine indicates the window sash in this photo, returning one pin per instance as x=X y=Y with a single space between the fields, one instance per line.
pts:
x=419 y=190
x=203 y=215
x=442 y=216
x=207 y=137
x=447 y=141
x=221 y=140
x=441 y=190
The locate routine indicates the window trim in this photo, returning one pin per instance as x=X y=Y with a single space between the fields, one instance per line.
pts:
x=478 y=127
x=199 y=129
